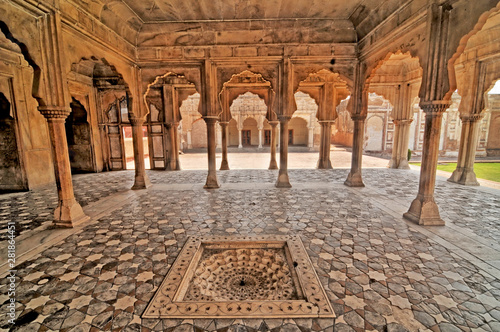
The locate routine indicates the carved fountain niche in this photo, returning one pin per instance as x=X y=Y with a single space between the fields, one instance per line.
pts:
x=241 y=277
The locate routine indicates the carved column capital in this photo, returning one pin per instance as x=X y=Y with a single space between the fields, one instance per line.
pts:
x=471 y=117
x=136 y=121
x=402 y=122
x=435 y=107
x=55 y=112
x=211 y=119
x=358 y=117
x=273 y=123
x=284 y=118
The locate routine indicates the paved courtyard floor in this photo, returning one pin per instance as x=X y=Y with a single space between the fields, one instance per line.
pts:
x=380 y=272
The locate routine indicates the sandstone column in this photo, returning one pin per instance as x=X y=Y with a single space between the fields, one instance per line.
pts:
x=423 y=209
x=324 y=145
x=189 y=142
x=260 y=137
x=68 y=212
x=141 y=178
x=354 y=179
x=173 y=154
x=310 y=138
x=464 y=174
x=224 y=164
x=274 y=131
x=399 y=158
x=240 y=145
x=283 y=181
x=212 y=182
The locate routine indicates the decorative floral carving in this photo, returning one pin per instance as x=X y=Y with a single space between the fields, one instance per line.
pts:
x=279 y=261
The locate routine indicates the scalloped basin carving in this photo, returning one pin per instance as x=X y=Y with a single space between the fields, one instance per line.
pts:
x=241 y=277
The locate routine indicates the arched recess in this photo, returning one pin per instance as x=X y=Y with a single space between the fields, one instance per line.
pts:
x=96 y=86
x=166 y=94
x=307 y=110
x=249 y=131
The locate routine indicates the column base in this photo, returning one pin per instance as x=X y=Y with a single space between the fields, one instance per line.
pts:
x=175 y=167
x=354 y=180
x=69 y=214
x=141 y=182
x=324 y=164
x=403 y=164
x=224 y=165
x=240 y=146
x=464 y=177
x=424 y=213
x=283 y=181
x=273 y=164
x=212 y=182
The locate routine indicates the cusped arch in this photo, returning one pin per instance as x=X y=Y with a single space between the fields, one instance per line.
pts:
x=37 y=72
x=483 y=18
x=242 y=83
x=171 y=87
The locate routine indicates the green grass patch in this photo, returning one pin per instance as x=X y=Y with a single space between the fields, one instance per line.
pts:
x=487 y=171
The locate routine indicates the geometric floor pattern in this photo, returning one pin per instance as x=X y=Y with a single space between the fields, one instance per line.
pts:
x=379 y=272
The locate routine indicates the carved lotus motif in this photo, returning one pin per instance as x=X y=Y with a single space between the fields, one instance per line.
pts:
x=242 y=274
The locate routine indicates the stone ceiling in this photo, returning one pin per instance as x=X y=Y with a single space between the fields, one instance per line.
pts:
x=361 y=16
x=206 y=10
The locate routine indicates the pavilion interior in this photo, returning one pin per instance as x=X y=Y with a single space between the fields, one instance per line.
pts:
x=102 y=101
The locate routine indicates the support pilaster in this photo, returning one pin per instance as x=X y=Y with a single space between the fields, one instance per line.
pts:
x=141 y=180
x=212 y=182
x=283 y=180
x=68 y=212
x=224 y=163
x=423 y=209
x=274 y=132
x=464 y=173
x=399 y=158
x=325 y=145
x=355 y=179
x=173 y=153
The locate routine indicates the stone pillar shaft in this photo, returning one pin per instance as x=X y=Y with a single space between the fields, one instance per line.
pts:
x=224 y=163
x=399 y=158
x=189 y=142
x=283 y=180
x=173 y=154
x=141 y=178
x=464 y=174
x=68 y=212
x=423 y=209
x=212 y=182
x=274 y=132
x=310 y=138
x=240 y=145
x=260 y=138
x=354 y=179
x=325 y=145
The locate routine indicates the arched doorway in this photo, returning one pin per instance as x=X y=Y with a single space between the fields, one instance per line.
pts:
x=297 y=132
x=78 y=135
x=11 y=173
x=249 y=132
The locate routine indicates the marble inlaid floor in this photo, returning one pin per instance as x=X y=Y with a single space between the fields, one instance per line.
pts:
x=379 y=271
